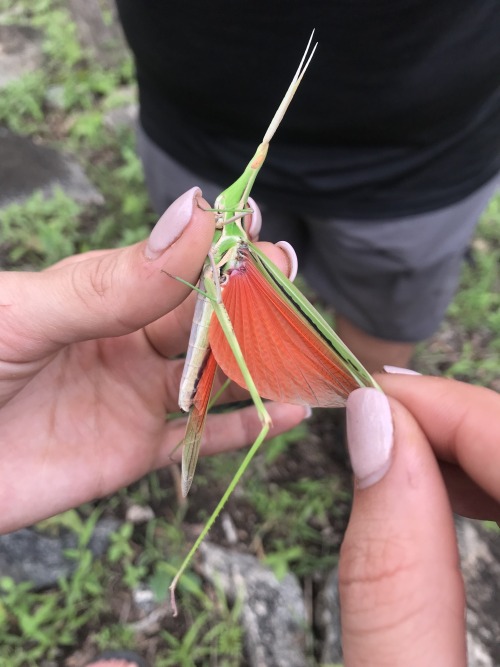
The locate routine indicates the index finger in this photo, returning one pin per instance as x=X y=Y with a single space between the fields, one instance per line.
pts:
x=461 y=421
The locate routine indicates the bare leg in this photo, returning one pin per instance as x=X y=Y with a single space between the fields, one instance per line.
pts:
x=374 y=353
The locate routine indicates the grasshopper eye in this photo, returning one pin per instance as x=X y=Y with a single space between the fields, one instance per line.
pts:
x=252 y=222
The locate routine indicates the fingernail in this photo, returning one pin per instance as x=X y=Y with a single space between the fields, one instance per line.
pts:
x=171 y=224
x=369 y=435
x=401 y=371
x=307 y=412
x=292 y=259
x=255 y=220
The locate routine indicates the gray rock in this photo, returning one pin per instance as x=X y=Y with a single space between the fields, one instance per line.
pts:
x=151 y=612
x=139 y=514
x=99 y=30
x=122 y=117
x=328 y=620
x=480 y=562
x=477 y=654
x=99 y=541
x=27 y=555
x=144 y=600
x=26 y=167
x=54 y=97
x=273 y=613
x=20 y=52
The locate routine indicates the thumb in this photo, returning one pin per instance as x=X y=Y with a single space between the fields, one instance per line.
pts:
x=401 y=592
x=106 y=293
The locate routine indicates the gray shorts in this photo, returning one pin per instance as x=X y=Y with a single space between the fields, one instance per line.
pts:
x=392 y=278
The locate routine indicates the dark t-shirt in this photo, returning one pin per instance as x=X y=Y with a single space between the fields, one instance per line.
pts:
x=399 y=112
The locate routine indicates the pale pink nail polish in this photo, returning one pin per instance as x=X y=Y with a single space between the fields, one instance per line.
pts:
x=255 y=225
x=369 y=435
x=171 y=224
x=401 y=371
x=292 y=259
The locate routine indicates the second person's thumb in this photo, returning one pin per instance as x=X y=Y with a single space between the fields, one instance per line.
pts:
x=401 y=592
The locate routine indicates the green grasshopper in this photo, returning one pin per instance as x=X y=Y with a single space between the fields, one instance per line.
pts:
x=265 y=335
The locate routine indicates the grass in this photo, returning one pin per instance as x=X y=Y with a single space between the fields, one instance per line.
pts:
x=36 y=626
x=467 y=347
x=291 y=508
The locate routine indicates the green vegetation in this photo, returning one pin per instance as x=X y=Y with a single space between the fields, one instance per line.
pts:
x=64 y=104
x=476 y=309
x=468 y=345
x=40 y=231
x=34 y=625
x=290 y=509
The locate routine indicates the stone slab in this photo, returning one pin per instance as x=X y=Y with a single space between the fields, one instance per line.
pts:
x=26 y=167
x=27 y=555
x=20 y=52
x=99 y=30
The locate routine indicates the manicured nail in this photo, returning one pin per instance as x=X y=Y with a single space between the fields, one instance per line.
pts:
x=401 y=371
x=369 y=435
x=255 y=220
x=308 y=412
x=293 y=264
x=171 y=224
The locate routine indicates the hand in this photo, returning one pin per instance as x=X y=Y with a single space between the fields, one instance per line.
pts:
x=86 y=370
x=431 y=442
